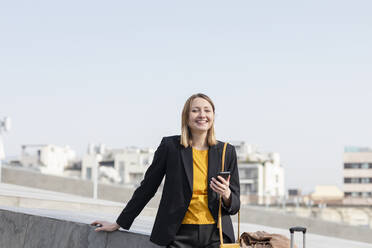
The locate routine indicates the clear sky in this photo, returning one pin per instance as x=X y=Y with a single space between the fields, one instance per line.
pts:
x=292 y=77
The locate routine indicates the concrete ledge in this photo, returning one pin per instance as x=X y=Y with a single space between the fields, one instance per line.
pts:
x=84 y=188
x=28 y=202
x=24 y=227
x=19 y=230
x=248 y=214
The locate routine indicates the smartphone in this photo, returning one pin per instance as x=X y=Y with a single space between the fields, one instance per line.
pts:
x=224 y=174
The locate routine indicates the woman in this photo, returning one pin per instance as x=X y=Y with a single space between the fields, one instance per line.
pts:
x=188 y=210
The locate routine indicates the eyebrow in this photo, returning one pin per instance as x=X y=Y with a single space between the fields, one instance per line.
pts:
x=199 y=107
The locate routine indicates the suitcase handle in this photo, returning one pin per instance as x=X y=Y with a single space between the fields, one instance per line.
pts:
x=297 y=229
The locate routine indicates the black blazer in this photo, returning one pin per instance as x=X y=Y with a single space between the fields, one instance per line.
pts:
x=176 y=163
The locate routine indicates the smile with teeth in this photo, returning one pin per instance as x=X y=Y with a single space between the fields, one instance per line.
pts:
x=201 y=121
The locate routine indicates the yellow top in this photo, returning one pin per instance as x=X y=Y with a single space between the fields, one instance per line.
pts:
x=198 y=211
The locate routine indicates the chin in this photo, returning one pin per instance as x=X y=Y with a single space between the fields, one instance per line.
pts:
x=202 y=129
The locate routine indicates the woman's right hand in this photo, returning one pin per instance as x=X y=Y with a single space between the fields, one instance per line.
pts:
x=105 y=226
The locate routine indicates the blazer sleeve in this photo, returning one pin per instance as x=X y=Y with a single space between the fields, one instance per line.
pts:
x=234 y=184
x=147 y=189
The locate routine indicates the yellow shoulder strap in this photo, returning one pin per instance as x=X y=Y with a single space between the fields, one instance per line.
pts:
x=219 y=209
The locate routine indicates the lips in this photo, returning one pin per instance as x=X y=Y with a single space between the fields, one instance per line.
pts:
x=202 y=121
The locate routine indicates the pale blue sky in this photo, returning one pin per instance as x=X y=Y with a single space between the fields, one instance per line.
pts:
x=290 y=76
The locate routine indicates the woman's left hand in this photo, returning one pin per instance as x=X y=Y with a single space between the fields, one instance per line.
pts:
x=222 y=187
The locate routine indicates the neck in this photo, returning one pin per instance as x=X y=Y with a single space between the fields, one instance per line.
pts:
x=199 y=140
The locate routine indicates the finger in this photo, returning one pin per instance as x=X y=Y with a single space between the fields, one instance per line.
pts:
x=219 y=183
x=95 y=223
x=216 y=181
x=217 y=188
x=214 y=188
x=217 y=191
x=228 y=179
x=222 y=180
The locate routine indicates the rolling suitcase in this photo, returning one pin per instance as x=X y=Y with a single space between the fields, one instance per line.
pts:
x=292 y=230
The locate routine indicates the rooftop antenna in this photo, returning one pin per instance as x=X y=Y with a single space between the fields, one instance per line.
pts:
x=5 y=125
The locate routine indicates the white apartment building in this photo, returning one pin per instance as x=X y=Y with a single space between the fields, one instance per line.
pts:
x=261 y=175
x=48 y=159
x=357 y=175
x=125 y=166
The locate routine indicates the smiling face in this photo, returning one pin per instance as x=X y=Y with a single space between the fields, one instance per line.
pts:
x=201 y=115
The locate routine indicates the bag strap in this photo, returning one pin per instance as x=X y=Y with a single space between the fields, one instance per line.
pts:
x=220 y=203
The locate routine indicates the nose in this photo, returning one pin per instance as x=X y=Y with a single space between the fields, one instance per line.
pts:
x=202 y=113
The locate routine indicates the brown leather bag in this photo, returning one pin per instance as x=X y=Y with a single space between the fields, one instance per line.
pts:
x=263 y=239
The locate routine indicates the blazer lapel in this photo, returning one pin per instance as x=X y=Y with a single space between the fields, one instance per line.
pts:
x=214 y=166
x=186 y=154
x=214 y=162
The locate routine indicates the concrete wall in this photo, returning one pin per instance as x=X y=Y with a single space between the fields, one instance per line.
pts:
x=69 y=185
x=19 y=230
x=79 y=206
x=120 y=194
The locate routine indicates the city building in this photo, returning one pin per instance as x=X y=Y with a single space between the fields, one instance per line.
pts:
x=48 y=159
x=5 y=125
x=295 y=197
x=357 y=175
x=125 y=166
x=327 y=194
x=261 y=175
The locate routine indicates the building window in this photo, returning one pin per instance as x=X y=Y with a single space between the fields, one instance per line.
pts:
x=89 y=173
x=358 y=194
x=249 y=189
x=110 y=163
x=364 y=166
x=354 y=194
x=366 y=194
x=358 y=180
x=121 y=169
x=351 y=166
x=354 y=180
x=146 y=162
x=364 y=180
x=251 y=173
x=357 y=165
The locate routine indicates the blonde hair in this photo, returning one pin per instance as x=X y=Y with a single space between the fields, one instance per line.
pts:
x=186 y=136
